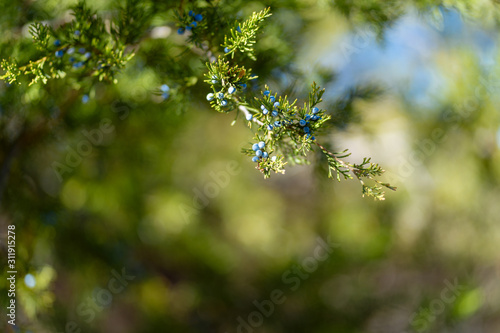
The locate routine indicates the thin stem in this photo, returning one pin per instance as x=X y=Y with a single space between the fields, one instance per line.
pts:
x=354 y=170
x=344 y=164
x=247 y=113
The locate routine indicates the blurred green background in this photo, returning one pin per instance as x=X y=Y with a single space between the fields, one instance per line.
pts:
x=165 y=197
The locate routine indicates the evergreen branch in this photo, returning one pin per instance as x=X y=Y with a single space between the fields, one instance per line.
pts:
x=132 y=20
x=283 y=126
x=249 y=115
x=284 y=131
x=83 y=47
x=364 y=170
x=243 y=36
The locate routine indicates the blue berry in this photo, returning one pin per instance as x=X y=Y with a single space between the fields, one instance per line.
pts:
x=214 y=81
x=265 y=111
x=255 y=147
x=277 y=123
x=231 y=90
x=272 y=99
x=81 y=50
x=243 y=85
x=266 y=92
x=78 y=64
x=220 y=95
x=77 y=33
x=308 y=136
x=238 y=29
x=210 y=96
x=306 y=129
x=258 y=153
x=302 y=122
x=71 y=50
x=261 y=144
x=277 y=104
x=226 y=50
x=57 y=42
x=265 y=154
x=191 y=13
x=255 y=159
x=85 y=99
x=308 y=116
x=315 y=117
x=249 y=117
x=180 y=31
x=164 y=88
x=223 y=102
x=165 y=95
x=71 y=59
x=274 y=113
x=59 y=53
x=87 y=55
x=262 y=107
x=313 y=138
x=194 y=24
x=270 y=127
x=198 y=17
x=315 y=110
x=189 y=28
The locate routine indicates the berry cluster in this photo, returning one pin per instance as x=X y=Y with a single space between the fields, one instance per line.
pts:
x=278 y=115
x=191 y=23
x=283 y=127
x=165 y=91
x=305 y=123
x=86 y=46
x=260 y=153
x=77 y=58
x=275 y=112
x=222 y=99
x=227 y=84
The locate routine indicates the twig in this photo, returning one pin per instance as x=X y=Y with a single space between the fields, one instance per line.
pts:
x=247 y=113
x=344 y=164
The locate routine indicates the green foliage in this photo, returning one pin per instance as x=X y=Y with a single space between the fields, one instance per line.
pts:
x=286 y=129
x=222 y=77
x=243 y=36
x=379 y=13
x=12 y=69
x=154 y=182
x=366 y=169
x=383 y=14
x=41 y=35
x=85 y=45
x=133 y=19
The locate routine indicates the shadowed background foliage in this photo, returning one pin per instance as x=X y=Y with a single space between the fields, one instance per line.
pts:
x=163 y=195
